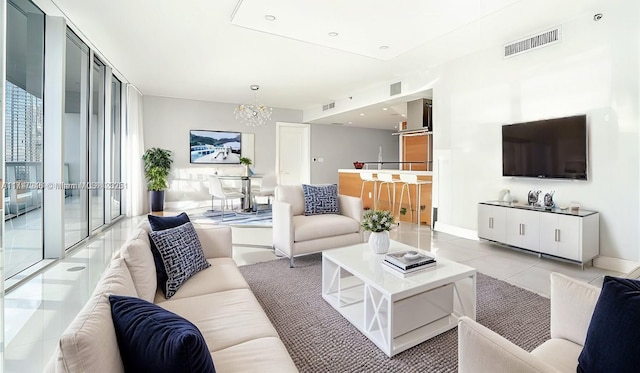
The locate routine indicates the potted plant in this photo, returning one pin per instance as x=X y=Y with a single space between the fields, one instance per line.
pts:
x=246 y=162
x=157 y=163
x=379 y=223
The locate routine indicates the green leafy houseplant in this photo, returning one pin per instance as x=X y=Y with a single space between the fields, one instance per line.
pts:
x=246 y=161
x=157 y=163
x=377 y=220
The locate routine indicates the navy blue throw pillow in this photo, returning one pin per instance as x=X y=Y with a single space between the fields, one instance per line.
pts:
x=159 y=223
x=152 y=339
x=320 y=199
x=613 y=337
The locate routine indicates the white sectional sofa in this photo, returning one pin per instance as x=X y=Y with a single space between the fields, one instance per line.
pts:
x=295 y=233
x=217 y=300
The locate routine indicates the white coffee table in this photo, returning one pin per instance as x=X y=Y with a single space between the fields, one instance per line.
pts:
x=396 y=313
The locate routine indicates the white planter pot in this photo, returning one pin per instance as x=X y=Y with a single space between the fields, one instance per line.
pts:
x=379 y=242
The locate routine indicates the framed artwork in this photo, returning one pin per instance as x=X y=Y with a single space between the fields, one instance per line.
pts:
x=215 y=147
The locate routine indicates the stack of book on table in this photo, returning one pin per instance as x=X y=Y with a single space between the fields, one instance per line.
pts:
x=408 y=262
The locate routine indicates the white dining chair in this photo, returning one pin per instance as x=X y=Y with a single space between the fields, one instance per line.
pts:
x=267 y=189
x=217 y=191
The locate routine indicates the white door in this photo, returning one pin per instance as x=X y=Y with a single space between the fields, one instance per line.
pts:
x=292 y=154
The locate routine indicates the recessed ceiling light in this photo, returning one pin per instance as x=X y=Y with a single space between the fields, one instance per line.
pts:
x=384 y=47
x=362 y=114
x=333 y=33
x=269 y=17
x=384 y=109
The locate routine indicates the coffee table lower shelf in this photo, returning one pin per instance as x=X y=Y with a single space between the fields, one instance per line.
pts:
x=397 y=321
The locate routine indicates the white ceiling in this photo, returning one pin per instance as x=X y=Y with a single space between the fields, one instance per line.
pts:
x=213 y=50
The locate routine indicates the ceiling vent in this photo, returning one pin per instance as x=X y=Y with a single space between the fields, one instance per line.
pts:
x=537 y=41
x=328 y=106
x=395 y=89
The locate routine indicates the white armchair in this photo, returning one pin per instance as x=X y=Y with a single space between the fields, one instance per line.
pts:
x=296 y=234
x=572 y=305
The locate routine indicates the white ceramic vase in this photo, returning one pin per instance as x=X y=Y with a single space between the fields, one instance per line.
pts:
x=507 y=196
x=379 y=242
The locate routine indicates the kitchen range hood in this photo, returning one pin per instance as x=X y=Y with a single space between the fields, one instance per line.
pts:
x=419 y=115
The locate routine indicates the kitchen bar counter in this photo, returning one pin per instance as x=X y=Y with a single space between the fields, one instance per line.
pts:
x=350 y=183
x=389 y=171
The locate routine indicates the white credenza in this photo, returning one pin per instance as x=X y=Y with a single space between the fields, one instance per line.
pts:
x=559 y=233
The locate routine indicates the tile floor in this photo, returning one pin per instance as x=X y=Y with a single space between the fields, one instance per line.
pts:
x=39 y=310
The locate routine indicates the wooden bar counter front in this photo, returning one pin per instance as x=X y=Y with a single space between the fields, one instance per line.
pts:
x=350 y=183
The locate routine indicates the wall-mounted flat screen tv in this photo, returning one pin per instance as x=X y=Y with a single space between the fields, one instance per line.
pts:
x=552 y=148
x=221 y=147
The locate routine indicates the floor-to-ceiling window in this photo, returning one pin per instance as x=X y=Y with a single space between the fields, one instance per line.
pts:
x=116 y=147
x=23 y=146
x=75 y=128
x=96 y=146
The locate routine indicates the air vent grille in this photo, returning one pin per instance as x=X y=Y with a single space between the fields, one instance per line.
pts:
x=395 y=89
x=328 y=106
x=533 y=42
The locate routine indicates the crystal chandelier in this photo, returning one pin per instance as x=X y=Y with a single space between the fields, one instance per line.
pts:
x=253 y=115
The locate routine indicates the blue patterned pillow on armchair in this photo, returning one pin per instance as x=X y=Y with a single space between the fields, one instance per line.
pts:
x=320 y=199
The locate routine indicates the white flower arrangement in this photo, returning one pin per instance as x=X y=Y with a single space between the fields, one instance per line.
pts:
x=377 y=220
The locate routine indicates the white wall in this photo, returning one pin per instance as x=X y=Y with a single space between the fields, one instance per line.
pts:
x=340 y=146
x=593 y=71
x=167 y=122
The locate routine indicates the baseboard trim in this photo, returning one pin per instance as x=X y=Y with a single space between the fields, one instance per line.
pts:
x=615 y=264
x=605 y=262
x=456 y=231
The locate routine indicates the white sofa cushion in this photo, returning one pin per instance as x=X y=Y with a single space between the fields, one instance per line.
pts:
x=264 y=355
x=225 y=319
x=221 y=276
x=320 y=226
x=139 y=259
x=89 y=344
x=559 y=353
x=572 y=305
x=291 y=194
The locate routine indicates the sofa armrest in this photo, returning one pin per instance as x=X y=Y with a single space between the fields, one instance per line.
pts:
x=482 y=350
x=572 y=305
x=351 y=207
x=282 y=226
x=215 y=240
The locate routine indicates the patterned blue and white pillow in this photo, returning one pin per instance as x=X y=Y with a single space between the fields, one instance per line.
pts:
x=181 y=254
x=320 y=199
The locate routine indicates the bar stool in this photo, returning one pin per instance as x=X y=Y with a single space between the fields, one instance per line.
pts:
x=367 y=177
x=408 y=180
x=388 y=180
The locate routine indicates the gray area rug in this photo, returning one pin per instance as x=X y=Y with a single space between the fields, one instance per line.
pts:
x=319 y=339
